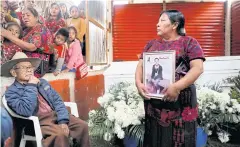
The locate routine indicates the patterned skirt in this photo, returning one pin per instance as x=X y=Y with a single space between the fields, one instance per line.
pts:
x=172 y=124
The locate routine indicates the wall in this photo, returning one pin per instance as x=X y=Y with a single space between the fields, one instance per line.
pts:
x=235 y=31
x=86 y=93
x=171 y=1
x=135 y=24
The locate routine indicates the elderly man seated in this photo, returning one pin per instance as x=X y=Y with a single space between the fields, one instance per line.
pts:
x=29 y=96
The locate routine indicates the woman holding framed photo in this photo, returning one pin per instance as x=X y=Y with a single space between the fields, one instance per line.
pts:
x=171 y=121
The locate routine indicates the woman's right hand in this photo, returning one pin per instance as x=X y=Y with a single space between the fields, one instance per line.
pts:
x=142 y=90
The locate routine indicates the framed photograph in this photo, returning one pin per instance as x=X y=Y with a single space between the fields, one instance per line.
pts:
x=158 y=72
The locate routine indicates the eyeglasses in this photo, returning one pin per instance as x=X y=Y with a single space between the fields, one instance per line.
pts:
x=25 y=68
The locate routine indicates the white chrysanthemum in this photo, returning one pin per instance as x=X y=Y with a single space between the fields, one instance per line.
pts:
x=90 y=123
x=117 y=128
x=105 y=99
x=213 y=106
x=92 y=113
x=230 y=110
x=110 y=113
x=209 y=132
x=107 y=122
x=107 y=136
x=223 y=136
x=234 y=101
x=236 y=107
x=124 y=106
x=121 y=134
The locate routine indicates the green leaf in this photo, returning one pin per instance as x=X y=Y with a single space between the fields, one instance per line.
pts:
x=136 y=132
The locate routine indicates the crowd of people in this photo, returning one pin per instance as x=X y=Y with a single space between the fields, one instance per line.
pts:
x=57 y=38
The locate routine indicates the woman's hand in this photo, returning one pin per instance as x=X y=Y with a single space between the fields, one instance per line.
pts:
x=142 y=90
x=171 y=93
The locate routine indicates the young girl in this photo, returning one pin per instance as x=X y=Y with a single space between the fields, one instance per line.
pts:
x=8 y=48
x=64 y=11
x=55 y=21
x=77 y=22
x=73 y=57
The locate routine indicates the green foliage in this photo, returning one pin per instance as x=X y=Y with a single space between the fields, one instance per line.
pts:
x=136 y=132
x=98 y=128
x=235 y=90
x=216 y=86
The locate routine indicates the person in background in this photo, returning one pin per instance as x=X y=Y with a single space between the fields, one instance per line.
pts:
x=60 y=47
x=77 y=22
x=9 y=48
x=11 y=15
x=6 y=128
x=64 y=11
x=36 y=39
x=73 y=57
x=23 y=4
x=172 y=121
x=30 y=96
x=81 y=8
x=5 y=13
x=55 y=20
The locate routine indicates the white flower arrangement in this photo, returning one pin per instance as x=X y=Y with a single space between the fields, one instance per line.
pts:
x=121 y=107
x=216 y=109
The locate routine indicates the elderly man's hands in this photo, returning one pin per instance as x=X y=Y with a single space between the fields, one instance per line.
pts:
x=65 y=129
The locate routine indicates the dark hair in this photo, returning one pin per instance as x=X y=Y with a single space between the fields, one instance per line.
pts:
x=63 y=4
x=33 y=11
x=64 y=32
x=176 y=16
x=60 y=11
x=72 y=8
x=65 y=14
x=9 y=24
x=74 y=29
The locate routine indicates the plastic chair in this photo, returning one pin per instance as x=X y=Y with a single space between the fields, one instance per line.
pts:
x=38 y=133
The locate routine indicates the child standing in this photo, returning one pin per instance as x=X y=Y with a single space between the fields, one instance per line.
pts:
x=9 y=48
x=55 y=20
x=60 y=39
x=73 y=57
x=64 y=11
x=77 y=22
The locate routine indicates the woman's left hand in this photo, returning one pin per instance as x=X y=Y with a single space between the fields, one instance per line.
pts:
x=171 y=93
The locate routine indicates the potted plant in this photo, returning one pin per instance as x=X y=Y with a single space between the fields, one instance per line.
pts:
x=216 y=111
x=121 y=115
